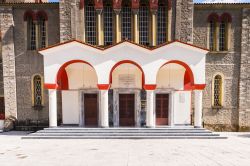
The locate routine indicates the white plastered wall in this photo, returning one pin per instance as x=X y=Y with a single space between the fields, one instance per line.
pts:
x=70 y=107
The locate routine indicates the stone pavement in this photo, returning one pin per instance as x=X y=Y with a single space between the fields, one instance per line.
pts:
x=232 y=151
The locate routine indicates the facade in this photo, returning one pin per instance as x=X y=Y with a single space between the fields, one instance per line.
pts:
x=126 y=63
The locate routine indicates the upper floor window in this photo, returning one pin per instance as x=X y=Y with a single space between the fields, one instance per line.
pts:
x=126 y=18
x=37 y=90
x=108 y=23
x=212 y=20
x=42 y=29
x=224 y=32
x=144 y=24
x=90 y=23
x=217 y=90
x=162 y=23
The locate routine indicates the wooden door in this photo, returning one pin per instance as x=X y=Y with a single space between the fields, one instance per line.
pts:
x=162 y=106
x=90 y=110
x=127 y=109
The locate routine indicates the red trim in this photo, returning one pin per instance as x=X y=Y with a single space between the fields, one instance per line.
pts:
x=62 y=79
x=29 y=13
x=43 y=14
x=107 y=47
x=98 y=4
x=50 y=86
x=187 y=81
x=117 y=4
x=226 y=17
x=150 y=87
x=169 y=4
x=135 y=4
x=81 y=4
x=153 y=4
x=199 y=86
x=103 y=86
x=126 y=61
x=213 y=17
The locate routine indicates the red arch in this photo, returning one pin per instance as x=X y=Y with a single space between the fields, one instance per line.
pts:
x=226 y=17
x=188 y=76
x=130 y=62
x=42 y=14
x=62 y=78
x=29 y=13
x=213 y=17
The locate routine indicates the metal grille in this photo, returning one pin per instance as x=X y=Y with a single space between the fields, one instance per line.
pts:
x=126 y=23
x=162 y=24
x=212 y=36
x=217 y=90
x=222 y=36
x=108 y=25
x=42 y=27
x=37 y=90
x=144 y=25
x=90 y=24
x=32 y=34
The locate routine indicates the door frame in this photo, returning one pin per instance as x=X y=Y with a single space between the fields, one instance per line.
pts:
x=170 y=92
x=81 y=102
x=137 y=107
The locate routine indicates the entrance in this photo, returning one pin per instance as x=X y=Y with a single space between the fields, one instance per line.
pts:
x=90 y=110
x=127 y=109
x=162 y=106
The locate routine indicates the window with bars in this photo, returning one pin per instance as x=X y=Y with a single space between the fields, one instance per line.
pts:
x=212 y=36
x=162 y=24
x=222 y=37
x=31 y=31
x=144 y=24
x=90 y=24
x=217 y=91
x=108 y=24
x=37 y=90
x=42 y=32
x=126 y=14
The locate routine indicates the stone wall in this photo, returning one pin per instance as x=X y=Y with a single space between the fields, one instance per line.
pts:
x=244 y=83
x=227 y=63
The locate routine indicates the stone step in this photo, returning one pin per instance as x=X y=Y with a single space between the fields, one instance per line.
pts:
x=124 y=137
x=124 y=134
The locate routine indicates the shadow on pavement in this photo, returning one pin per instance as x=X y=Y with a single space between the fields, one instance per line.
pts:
x=244 y=135
x=15 y=133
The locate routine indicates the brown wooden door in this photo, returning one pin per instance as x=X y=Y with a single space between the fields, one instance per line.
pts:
x=90 y=110
x=127 y=109
x=162 y=105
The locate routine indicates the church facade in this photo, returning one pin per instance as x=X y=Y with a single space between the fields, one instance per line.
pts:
x=125 y=63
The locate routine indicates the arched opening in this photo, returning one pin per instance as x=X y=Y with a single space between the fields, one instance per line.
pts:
x=175 y=81
x=127 y=80
x=78 y=81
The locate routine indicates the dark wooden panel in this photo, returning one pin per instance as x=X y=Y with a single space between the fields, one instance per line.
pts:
x=127 y=109
x=90 y=110
x=162 y=105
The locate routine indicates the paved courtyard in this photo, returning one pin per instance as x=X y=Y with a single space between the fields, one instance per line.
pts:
x=233 y=151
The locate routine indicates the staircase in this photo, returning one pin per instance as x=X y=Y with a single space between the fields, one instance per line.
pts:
x=124 y=133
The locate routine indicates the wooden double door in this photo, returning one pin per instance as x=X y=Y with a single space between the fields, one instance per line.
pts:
x=162 y=109
x=91 y=110
x=127 y=109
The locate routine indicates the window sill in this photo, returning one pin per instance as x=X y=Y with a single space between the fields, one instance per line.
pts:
x=217 y=107
x=219 y=52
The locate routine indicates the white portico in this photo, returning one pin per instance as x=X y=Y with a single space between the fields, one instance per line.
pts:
x=87 y=76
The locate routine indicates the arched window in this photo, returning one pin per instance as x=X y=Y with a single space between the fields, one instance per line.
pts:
x=162 y=22
x=144 y=23
x=90 y=23
x=37 y=89
x=29 y=18
x=42 y=29
x=223 y=31
x=217 y=91
x=108 y=22
x=126 y=19
x=212 y=21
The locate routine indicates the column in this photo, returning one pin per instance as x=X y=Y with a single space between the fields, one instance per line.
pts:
x=104 y=108
x=136 y=26
x=198 y=109
x=118 y=25
x=100 y=27
x=153 y=25
x=171 y=111
x=150 y=107
x=52 y=108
